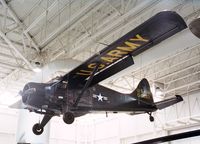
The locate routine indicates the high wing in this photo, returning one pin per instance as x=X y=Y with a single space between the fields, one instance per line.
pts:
x=118 y=55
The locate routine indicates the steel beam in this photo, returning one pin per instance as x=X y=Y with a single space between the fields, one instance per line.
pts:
x=149 y=66
x=6 y=65
x=182 y=86
x=115 y=9
x=107 y=29
x=9 y=56
x=15 y=49
x=40 y=17
x=171 y=137
x=16 y=19
x=112 y=26
x=67 y=24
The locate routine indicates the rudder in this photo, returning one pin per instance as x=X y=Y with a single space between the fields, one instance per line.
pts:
x=143 y=92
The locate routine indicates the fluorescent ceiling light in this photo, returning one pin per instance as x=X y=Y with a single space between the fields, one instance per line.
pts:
x=37 y=70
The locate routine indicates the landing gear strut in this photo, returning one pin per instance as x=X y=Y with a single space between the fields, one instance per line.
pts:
x=151 y=118
x=68 y=117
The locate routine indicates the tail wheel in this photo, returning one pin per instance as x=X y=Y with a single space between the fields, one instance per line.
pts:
x=37 y=129
x=68 y=117
x=151 y=118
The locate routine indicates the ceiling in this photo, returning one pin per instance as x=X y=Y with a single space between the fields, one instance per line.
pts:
x=42 y=31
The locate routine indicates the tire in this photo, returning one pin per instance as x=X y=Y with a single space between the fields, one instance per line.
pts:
x=68 y=118
x=151 y=118
x=37 y=130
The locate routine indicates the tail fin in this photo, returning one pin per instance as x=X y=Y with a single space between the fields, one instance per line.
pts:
x=143 y=92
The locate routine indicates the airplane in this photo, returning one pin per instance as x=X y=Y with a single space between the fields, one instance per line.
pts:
x=78 y=92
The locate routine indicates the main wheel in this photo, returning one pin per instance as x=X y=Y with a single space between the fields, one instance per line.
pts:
x=68 y=117
x=37 y=129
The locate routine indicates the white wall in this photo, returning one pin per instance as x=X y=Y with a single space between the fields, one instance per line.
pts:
x=60 y=133
x=118 y=128
x=8 y=125
x=7 y=138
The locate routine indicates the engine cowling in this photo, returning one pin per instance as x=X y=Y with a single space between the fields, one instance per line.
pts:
x=34 y=94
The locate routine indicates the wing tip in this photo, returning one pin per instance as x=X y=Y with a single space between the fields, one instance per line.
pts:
x=179 y=98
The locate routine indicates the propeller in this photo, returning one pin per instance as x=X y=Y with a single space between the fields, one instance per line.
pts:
x=19 y=104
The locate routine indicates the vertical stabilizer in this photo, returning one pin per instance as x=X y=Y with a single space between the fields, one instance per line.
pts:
x=143 y=92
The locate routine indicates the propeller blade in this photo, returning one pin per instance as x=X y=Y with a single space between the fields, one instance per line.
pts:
x=18 y=105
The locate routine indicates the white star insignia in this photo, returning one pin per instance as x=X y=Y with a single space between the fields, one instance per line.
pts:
x=100 y=97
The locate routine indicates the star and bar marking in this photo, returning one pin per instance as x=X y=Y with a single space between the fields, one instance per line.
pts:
x=100 y=97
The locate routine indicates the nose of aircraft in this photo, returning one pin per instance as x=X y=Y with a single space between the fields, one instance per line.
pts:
x=27 y=91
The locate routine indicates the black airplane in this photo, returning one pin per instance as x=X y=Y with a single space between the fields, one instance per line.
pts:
x=78 y=92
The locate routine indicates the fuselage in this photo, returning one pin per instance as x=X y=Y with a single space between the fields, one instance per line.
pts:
x=56 y=98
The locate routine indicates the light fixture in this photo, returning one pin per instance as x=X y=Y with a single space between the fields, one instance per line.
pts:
x=37 y=70
x=37 y=67
x=158 y=92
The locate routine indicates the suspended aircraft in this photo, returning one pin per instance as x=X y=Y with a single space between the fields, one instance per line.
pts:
x=78 y=92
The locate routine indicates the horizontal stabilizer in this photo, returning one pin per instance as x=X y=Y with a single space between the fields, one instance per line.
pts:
x=168 y=102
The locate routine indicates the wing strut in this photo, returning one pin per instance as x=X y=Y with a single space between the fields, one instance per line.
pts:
x=87 y=84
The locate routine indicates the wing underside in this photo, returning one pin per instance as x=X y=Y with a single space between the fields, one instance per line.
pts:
x=118 y=55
